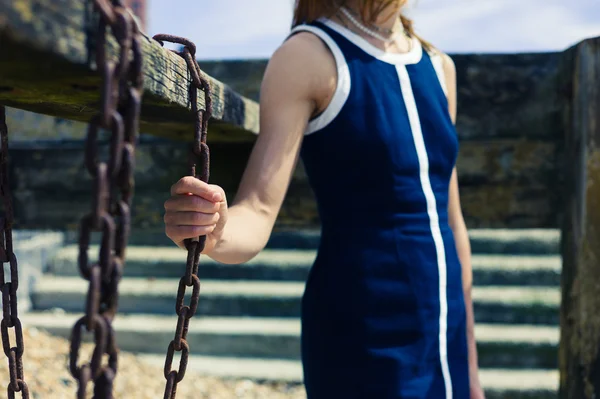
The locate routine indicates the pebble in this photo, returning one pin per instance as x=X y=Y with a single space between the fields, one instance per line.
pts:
x=46 y=372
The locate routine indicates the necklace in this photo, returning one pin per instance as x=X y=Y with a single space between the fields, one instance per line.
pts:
x=385 y=31
x=370 y=32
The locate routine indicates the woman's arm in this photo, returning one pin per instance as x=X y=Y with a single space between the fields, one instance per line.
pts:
x=463 y=247
x=298 y=79
x=461 y=238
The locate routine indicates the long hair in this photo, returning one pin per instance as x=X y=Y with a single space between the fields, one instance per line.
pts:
x=307 y=11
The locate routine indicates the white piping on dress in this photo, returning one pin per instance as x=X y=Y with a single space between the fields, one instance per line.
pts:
x=438 y=65
x=411 y=57
x=417 y=133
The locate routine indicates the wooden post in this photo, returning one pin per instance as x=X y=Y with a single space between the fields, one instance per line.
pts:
x=47 y=67
x=580 y=310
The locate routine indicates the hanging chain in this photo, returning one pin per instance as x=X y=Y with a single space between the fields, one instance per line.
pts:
x=199 y=159
x=111 y=197
x=10 y=316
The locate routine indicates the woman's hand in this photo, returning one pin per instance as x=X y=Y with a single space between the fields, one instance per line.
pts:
x=195 y=209
x=299 y=82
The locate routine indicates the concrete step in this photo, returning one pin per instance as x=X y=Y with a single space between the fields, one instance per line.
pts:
x=515 y=241
x=498 y=383
x=517 y=305
x=488 y=241
x=499 y=346
x=529 y=305
x=294 y=265
x=517 y=384
x=33 y=249
x=274 y=265
x=517 y=346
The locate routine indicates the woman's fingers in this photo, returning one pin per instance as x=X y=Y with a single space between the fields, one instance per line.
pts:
x=191 y=185
x=191 y=218
x=194 y=209
x=180 y=233
x=191 y=203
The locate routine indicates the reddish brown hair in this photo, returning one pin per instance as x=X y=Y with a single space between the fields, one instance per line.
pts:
x=307 y=11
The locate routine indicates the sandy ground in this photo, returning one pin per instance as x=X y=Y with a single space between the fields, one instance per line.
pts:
x=48 y=377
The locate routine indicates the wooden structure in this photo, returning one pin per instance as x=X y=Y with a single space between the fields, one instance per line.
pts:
x=66 y=85
x=509 y=122
x=529 y=126
x=580 y=312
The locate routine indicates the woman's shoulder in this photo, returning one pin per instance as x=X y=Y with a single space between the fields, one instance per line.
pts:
x=307 y=60
x=303 y=56
x=305 y=45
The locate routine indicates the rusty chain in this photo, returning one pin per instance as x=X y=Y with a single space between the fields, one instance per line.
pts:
x=112 y=193
x=10 y=316
x=199 y=156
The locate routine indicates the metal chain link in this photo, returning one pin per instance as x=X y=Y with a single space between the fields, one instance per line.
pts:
x=10 y=315
x=199 y=159
x=111 y=197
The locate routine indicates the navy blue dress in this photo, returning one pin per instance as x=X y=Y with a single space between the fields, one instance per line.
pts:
x=383 y=313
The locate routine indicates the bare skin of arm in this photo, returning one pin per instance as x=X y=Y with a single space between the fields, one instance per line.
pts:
x=299 y=81
x=461 y=238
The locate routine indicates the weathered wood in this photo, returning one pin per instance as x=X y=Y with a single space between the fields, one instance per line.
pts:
x=507 y=161
x=508 y=96
x=503 y=183
x=244 y=76
x=509 y=121
x=27 y=127
x=499 y=96
x=46 y=66
x=580 y=311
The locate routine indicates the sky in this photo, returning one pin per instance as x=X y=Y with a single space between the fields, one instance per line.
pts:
x=249 y=29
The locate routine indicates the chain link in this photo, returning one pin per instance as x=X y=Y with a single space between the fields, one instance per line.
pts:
x=199 y=168
x=111 y=195
x=10 y=315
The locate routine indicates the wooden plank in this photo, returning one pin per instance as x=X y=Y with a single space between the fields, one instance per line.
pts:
x=521 y=160
x=580 y=311
x=244 y=76
x=503 y=183
x=46 y=67
x=508 y=96
x=499 y=95
x=504 y=96
x=509 y=206
x=26 y=127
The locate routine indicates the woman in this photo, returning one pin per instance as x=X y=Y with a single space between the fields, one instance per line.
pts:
x=387 y=309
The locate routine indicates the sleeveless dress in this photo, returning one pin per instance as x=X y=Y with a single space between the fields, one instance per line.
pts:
x=383 y=312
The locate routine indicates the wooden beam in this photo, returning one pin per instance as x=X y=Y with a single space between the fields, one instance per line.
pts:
x=511 y=178
x=46 y=66
x=580 y=311
x=508 y=96
x=500 y=96
x=50 y=71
